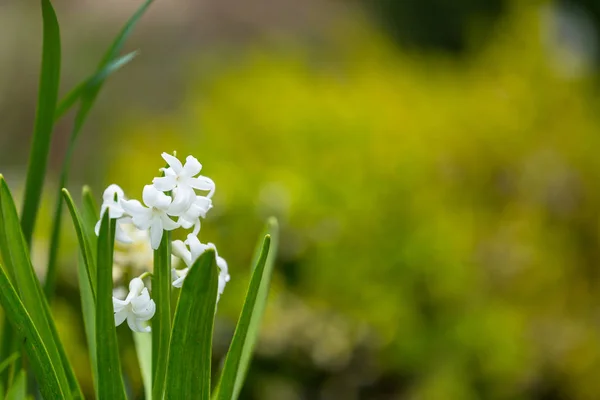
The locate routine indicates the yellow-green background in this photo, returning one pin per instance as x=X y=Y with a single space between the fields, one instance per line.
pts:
x=439 y=213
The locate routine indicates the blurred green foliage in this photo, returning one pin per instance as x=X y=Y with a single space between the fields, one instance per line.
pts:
x=444 y=212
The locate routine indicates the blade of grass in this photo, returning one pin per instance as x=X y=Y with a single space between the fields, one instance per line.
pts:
x=88 y=308
x=84 y=245
x=8 y=360
x=18 y=390
x=272 y=229
x=90 y=215
x=87 y=99
x=75 y=94
x=110 y=379
x=44 y=119
x=188 y=371
x=143 y=348
x=10 y=341
x=42 y=365
x=161 y=323
x=27 y=283
x=244 y=338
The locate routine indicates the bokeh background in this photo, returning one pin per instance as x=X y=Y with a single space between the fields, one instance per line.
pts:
x=434 y=166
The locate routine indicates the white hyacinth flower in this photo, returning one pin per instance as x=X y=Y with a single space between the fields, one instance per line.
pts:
x=137 y=307
x=189 y=251
x=154 y=216
x=115 y=211
x=183 y=179
x=191 y=217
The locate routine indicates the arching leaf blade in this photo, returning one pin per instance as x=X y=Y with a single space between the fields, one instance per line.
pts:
x=188 y=370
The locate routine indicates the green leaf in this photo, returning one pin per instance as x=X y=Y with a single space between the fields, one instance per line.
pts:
x=90 y=215
x=18 y=390
x=75 y=94
x=87 y=98
x=84 y=245
x=26 y=281
x=9 y=360
x=44 y=120
x=143 y=348
x=88 y=308
x=161 y=322
x=244 y=338
x=188 y=371
x=119 y=41
x=9 y=340
x=110 y=380
x=42 y=364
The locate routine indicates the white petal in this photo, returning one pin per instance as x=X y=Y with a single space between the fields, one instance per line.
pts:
x=196 y=228
x=179 y=249
x=122 y=236
x=144 y=308
x=120 y=316
x=115 y=211
x=141 y=327
x=133 y=207
x=174 y=275
x=167 y=223
x=185 y=223
x=156 y=233
x=164 y=183
x=97 y=227
x=196 y=248
x=184 y=197
x=178 y=283
x=192 y=167
x=221 y=285
x=154 y=198
x=202 y=183
x=132 y=322
x=222 y=264
x=136 y=286
x=109 y=193
x=204 y=203
x=119 y=305
x=173 y=162
x=140 y=215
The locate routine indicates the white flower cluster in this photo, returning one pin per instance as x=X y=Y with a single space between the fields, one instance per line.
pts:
x=171 y=196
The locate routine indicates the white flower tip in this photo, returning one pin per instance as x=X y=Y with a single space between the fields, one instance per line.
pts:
x=136 y=286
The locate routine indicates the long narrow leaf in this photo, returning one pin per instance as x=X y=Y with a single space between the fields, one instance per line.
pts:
x=161 y=323
x=143 y=348
x=84 y=245
x=119 y=41
x=188 y=371
x=87 y=98
x=272 y=229
x=9 y=340
x=40 y=361
x=88 y=308
x=44 y=120
x=18 y=390
x=75 y=94
x=27 y=283
x=110 y=380
x=89 y=214
x=8 y=360
x=244 y=338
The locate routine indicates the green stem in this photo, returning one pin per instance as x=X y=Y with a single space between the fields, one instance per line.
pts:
x=161 y=323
